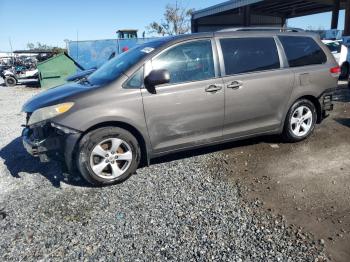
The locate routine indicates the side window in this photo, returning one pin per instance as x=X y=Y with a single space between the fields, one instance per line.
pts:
x=243 y=55
x=192 y=61
x=136 y=81
x=302 y=51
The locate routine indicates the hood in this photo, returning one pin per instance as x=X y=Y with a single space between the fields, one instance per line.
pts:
x=54 y=96
x=80 y=75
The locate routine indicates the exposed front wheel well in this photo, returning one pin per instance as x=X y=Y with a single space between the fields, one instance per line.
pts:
x=132 y=130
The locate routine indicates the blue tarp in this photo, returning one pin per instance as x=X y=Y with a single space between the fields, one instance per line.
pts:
x=92 y=54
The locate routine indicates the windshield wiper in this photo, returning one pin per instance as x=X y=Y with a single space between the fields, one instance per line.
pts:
x=84 y=81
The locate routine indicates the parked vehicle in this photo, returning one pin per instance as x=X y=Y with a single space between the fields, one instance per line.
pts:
x=179 y=93
x=341 y=54
x=11 y=77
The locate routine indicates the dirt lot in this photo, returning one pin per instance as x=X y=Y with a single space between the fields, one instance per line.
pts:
x=308 y=182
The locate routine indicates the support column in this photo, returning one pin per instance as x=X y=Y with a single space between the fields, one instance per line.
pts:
x=194 y=25
x=335 y=14
x=246 y=16
x=283 y=22
x=347 y=19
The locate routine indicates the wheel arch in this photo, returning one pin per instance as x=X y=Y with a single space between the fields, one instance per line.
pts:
x=317 y=104
x=145 y=156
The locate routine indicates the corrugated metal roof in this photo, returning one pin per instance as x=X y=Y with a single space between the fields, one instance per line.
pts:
x=233 y=4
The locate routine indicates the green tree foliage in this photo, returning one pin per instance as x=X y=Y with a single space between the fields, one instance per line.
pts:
x=43 y=47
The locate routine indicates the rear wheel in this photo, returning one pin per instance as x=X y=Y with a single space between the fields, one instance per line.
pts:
x=300 y=121
x=108 y=156
x=10 y=81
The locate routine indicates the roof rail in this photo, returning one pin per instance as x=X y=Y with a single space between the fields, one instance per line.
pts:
x=279 y=29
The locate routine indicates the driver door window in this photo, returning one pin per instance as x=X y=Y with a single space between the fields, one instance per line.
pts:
x=192 y=61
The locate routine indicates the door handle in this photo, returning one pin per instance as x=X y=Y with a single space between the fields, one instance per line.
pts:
x=213 y=88
x=235 y=84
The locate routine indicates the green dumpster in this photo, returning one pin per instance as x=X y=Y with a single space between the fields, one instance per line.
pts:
x=54 y=71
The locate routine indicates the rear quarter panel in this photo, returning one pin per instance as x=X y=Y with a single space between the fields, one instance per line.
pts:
x=313 y=80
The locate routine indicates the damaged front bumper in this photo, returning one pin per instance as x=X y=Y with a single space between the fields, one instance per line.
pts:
x=50 y=141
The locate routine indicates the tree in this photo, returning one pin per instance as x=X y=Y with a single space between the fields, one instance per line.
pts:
x=176 y=21
x=38 y=46
x=43 y=47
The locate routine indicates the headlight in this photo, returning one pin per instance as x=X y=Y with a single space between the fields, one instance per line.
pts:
x=49 y=112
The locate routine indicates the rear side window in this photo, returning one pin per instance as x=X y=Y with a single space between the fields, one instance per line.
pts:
x=302 y=51
x=243 y=55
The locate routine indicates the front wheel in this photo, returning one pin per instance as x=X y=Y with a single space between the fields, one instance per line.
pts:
x=108 y=156
x=10 y=81
x=300 y=121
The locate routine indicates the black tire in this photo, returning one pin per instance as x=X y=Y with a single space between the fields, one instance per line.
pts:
x=288 y=133
x=88 y=143
x=344 y=72
x=10 y=81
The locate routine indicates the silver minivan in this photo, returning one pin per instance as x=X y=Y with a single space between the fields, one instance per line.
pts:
x=179 y=93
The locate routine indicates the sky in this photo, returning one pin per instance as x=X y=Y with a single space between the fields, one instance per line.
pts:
x=52 y=21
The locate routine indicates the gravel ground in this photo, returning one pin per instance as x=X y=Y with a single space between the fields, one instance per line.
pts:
x=186 y=209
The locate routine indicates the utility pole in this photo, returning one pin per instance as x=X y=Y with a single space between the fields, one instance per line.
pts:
x=12 y=60
x=77 y=44
x=347 y=19
x=335 y=14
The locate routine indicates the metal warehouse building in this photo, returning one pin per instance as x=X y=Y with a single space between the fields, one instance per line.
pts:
x=238 y=13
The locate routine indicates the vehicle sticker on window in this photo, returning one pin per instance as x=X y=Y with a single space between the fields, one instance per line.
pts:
x=147 y=50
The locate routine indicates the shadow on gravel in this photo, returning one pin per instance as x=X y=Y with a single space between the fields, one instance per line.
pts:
x=273 y=139
x=343 y=121
x=17 y=160
x=342 y=94
x=31 y=84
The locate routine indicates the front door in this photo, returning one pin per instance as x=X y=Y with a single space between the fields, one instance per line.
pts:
x=190 y=109
x=257 y=86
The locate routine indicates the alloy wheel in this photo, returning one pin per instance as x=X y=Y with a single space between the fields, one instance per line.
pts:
x=301 y=121
x=111 y=158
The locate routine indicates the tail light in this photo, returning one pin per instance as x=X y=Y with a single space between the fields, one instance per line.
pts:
x=335 y=71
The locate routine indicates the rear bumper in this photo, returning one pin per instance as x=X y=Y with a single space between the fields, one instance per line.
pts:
x=326 y=102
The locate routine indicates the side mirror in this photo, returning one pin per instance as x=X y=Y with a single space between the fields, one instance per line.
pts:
x=157 y=77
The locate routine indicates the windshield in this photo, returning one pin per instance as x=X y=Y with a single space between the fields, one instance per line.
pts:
x=115 y=67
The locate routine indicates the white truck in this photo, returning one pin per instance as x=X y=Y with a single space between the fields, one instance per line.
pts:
x=341 y=52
